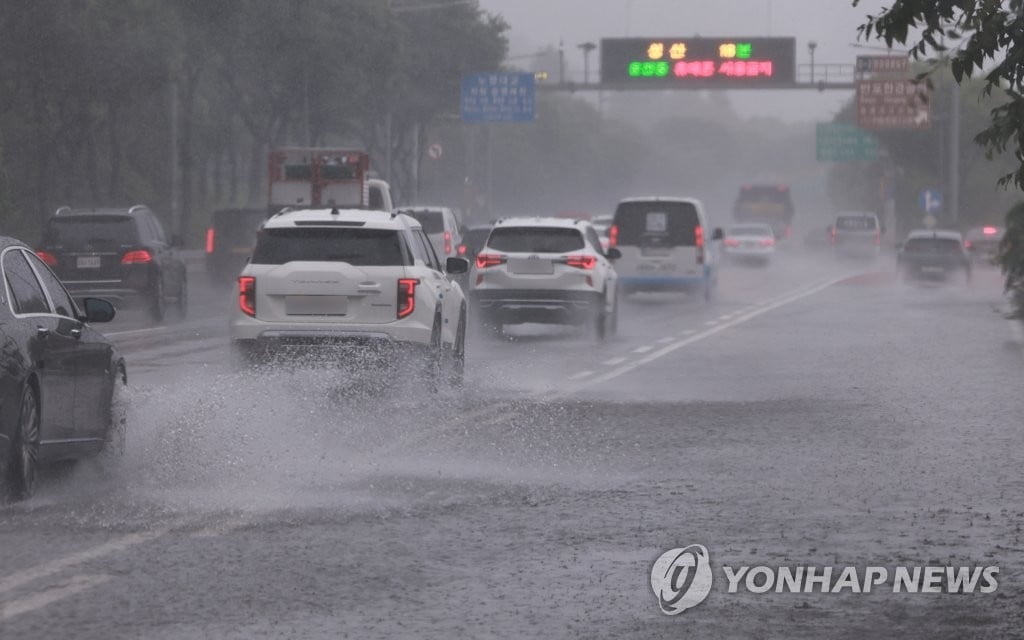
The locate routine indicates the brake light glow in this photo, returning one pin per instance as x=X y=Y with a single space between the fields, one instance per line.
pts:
x=968 y=244
x=247 y=295
x=581 y=262
x=731 y=242
x=878 y=237
x=140 y=256
x=447 y=243
x=485 y=260
x=211 y=235
x=767 y=242
x=406 y=296
x=698 y=236
x=48 y=258
x=989 y=231
x=613 y=236
x=462 y=249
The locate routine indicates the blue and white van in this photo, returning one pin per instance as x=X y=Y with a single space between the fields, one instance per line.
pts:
x=666 y=245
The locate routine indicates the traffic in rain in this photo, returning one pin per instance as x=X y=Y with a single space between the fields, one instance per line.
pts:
x=511 y=319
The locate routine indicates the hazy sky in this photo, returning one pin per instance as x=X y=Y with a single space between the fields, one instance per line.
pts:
x=831 y=23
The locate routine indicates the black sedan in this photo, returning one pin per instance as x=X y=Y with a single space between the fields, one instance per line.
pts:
x=60 y=379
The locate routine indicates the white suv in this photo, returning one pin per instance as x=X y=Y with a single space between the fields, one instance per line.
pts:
x=546 y=270
x=357 y=280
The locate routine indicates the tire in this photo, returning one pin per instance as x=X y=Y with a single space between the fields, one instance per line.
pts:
x=182 y=302
x=22 y=463
x=602 y=320
x=114 y=441
x=457 y=358
x=613 y=328
x=157 y=303
x=433 y=359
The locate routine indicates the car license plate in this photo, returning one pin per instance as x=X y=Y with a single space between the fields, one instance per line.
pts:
x=316 y=305
x=88 y=262
x=531 y=266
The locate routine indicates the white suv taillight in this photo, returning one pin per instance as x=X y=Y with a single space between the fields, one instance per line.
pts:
x=447 y=243
x=247 y=295
x=485 y=260
x=406 y=296
x=580 y=262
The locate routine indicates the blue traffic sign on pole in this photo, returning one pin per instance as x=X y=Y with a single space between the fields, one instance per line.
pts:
x=498 y=97
x=930 y=200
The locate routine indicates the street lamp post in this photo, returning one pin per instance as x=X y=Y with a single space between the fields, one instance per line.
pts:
x=587 y=48
x=811 y=46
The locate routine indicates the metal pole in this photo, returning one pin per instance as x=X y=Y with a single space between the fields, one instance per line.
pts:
x=175 y=163
x=954 y=154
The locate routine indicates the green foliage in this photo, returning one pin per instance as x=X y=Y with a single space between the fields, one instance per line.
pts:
x=86 y=93
x=976 y=37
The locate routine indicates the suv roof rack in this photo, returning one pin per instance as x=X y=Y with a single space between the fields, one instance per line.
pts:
x=140 y=207
x=62 y=210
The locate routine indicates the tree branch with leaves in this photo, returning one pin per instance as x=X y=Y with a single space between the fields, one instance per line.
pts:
x=976 y=38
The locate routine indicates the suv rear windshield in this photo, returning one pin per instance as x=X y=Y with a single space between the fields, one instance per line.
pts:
x=431 y=221
x=856 y=223
x=670 y=224
x=535 y=240
x=933 y=245
x=358 y=247
x=97 y=232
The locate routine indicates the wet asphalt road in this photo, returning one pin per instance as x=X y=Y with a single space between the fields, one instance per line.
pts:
x=815 y=413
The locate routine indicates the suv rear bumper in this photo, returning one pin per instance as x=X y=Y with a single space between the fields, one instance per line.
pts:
x=630 y=284
x=313 y=335
x=537 y=305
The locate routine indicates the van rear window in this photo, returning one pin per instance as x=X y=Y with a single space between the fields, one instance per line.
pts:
x=671 y=224
x=358 y=247
x=431 y=221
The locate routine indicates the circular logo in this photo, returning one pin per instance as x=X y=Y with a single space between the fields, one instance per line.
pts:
x=681 y=578
x=435 y=151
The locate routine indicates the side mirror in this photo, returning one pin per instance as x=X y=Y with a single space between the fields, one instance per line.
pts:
x=717 y=234
x=98 y=310
x=456 y=266
x=613 y=253
x=177 y=241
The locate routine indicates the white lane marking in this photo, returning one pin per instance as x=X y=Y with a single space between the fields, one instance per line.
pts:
x=725 y=317
x=665 y=340
x=581 y=375
x=799 y=294
x=611 y=362
x=47 y=597
x=688 y=332
x=643 y=349
x=710 y=323
x=14 y=580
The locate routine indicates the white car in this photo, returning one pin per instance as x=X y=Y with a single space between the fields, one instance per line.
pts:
x=751 y=242
x=441 y=227
x=359 y=281
x=545 y=270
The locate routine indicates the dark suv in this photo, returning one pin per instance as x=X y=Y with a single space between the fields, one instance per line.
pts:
x=120 y=254
x=229 y=242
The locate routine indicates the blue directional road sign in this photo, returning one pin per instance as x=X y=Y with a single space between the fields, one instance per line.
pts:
x=930 y=200
x=498 y=97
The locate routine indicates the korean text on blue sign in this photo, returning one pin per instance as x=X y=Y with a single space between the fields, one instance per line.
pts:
x=498 y=97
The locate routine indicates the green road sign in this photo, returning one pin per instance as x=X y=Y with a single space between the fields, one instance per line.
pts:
x=842 y=142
